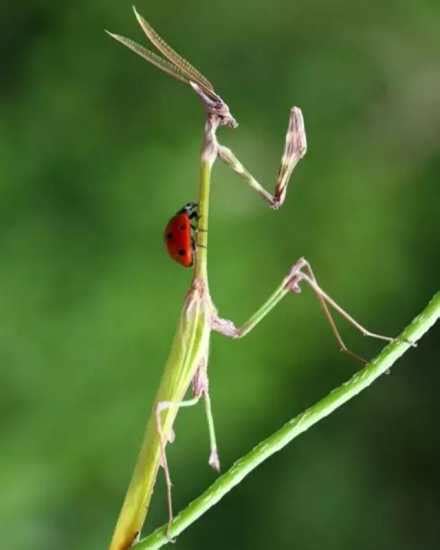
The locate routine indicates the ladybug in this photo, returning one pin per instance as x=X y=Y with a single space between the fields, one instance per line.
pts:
x=179 y=234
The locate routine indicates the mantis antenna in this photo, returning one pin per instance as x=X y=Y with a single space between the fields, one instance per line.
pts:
x=179 y=68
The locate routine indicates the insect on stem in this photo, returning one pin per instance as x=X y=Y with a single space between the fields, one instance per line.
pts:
x=187 y=364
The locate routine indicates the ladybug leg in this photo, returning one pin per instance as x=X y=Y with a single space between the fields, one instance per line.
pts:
x=196 y=245
x=197 y=229
x=195 y=218
x=301 y=272
x=194 y=215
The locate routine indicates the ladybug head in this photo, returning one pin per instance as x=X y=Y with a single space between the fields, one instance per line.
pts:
x=191 y=209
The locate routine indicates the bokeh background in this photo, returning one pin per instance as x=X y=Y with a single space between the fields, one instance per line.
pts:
x=98 y=150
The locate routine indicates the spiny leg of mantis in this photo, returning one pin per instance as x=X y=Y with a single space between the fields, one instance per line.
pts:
x=300 y=272
x=329 y=317
x=200 y=387
x=294 y=149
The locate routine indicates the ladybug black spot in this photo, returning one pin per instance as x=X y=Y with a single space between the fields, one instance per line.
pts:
x=169 y=236
x=181 y=252
x=182 y=227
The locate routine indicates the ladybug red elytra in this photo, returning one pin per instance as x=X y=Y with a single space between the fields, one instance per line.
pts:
x=179 y=234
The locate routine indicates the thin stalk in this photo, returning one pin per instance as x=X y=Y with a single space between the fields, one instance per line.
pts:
x=298 y=425
x=208 y=157
x=201 y=260
x=189 y=351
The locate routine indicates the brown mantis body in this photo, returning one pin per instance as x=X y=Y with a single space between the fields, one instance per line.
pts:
x=188 y=361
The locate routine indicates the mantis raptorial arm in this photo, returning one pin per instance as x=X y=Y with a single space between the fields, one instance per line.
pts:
x=294 y=149
x=300 y=272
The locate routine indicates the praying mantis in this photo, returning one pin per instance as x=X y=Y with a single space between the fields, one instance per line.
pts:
x=187 y=364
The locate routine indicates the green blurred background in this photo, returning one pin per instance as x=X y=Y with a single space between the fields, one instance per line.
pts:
x=98 y=150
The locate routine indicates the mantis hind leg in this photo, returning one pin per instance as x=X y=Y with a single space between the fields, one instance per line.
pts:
x=301 y=272
x=200 y=389
x=164 y=440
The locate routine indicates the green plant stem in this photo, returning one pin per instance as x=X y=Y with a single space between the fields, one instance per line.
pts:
x=335 y=399
x=188 y=352
x=201 y=261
